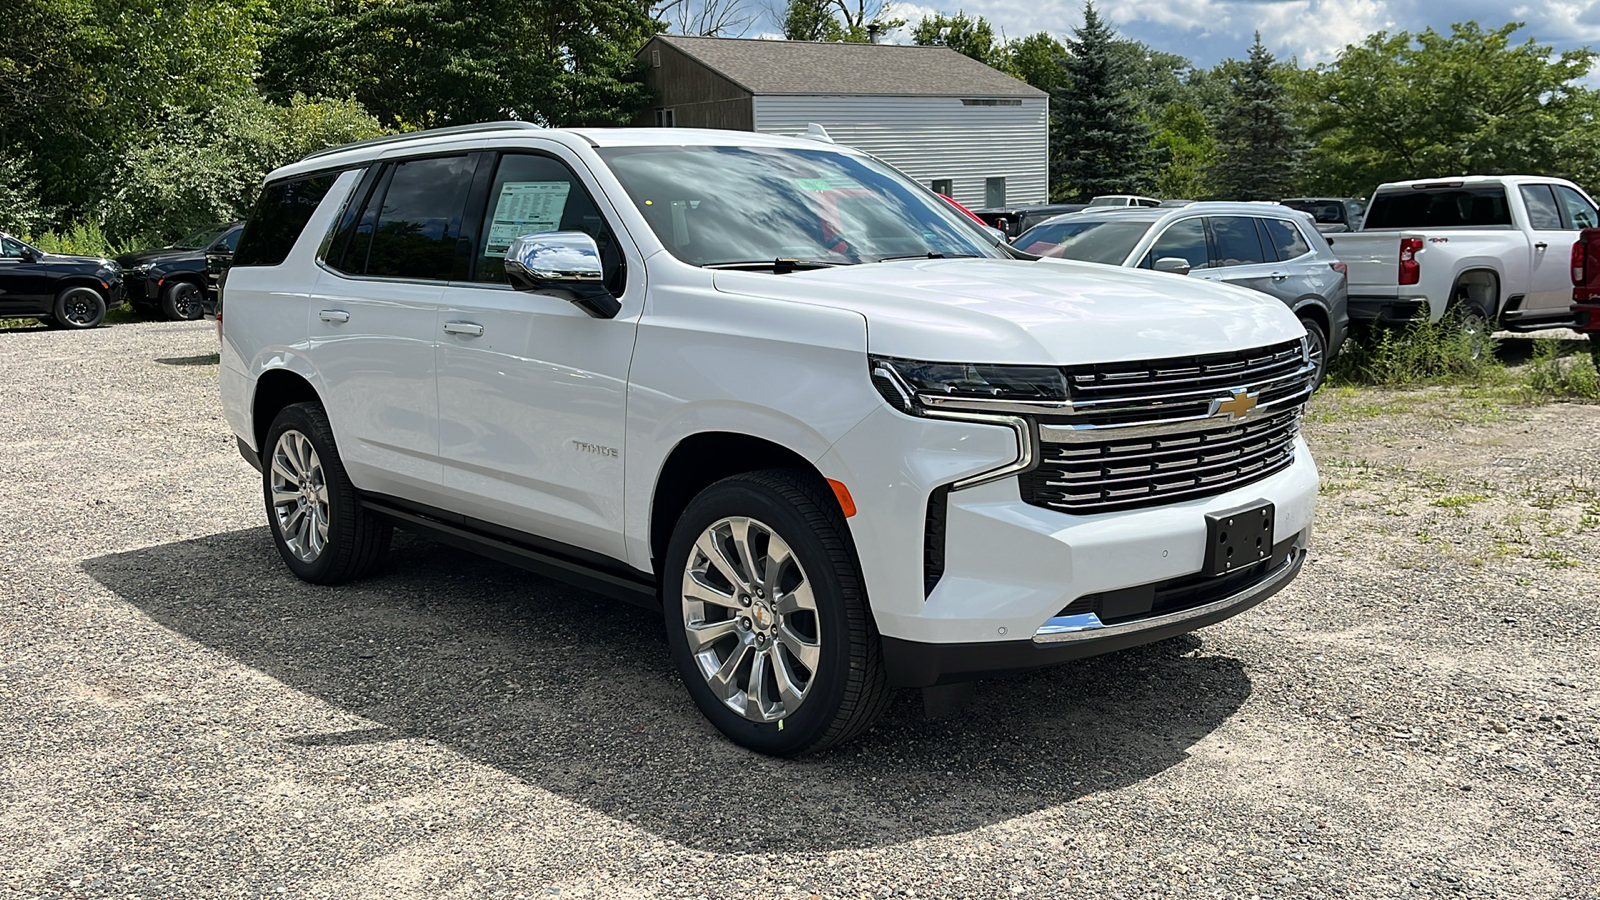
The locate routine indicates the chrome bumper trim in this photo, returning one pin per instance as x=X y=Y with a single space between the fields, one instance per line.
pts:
x=1088 y=627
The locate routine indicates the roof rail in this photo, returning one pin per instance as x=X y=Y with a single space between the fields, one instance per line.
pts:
x=431 y=132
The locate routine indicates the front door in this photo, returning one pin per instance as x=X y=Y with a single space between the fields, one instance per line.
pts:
x=532 y=390
x=24 y=282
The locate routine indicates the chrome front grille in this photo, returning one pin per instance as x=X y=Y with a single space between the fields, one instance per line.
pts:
x=1120 y=393
x=1131 y=472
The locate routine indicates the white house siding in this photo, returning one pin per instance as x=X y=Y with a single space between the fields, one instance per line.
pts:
x=930 y=138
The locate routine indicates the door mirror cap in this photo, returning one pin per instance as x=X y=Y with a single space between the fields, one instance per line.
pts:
x=995 y=234
x=1177 y=265
x=29 y=254
x=562 y=264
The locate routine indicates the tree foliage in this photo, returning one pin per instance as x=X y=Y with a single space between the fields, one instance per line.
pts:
x=851 y=21
x=1101 y=138
x=1258 y=144
x=970 y=37
x=1414 y=106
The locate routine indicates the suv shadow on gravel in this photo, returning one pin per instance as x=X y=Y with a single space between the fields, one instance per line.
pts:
x=576 y=694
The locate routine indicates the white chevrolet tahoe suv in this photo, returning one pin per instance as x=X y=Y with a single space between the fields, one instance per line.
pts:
x=770 y=387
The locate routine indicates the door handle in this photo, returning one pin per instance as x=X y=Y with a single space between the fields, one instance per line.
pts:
x=1278 y=276
x=334 y=315
x=1541 y=246
x=467 y=329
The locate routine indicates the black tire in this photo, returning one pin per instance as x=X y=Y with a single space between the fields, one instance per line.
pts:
x=356 y=538
x=181 y=301
x=848 y=690
x=1319 y=349
x=78 y=308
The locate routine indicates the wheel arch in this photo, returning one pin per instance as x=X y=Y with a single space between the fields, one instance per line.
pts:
x=1313 y=308
x=88 y=281
x=275 y=389
x=702 y=459
x=1483 y=289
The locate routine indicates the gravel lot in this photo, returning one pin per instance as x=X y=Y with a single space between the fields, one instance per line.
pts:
x=1415 y=716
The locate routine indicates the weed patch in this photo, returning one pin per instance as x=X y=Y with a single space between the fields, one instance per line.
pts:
x=1423 y=353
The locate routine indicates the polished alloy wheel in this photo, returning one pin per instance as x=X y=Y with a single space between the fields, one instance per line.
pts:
x=299 y=496
x=751 y=619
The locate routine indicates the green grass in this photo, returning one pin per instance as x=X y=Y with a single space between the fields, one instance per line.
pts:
x=1423 y=353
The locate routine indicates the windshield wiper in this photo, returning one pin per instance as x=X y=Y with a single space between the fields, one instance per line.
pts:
x=931 y=254
x=778 y=266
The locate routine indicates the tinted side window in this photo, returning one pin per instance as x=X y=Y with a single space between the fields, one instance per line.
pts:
x=1286 y=238
x=532 y=194
x=1542 y=212
x=1184 y=240
x=1580 y=214
x=1236 y=241
x=415 y=231
x=231 y=239
x=10 y=249
x=280 y=214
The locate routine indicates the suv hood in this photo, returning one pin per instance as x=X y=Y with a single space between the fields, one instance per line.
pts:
x=1054 y=312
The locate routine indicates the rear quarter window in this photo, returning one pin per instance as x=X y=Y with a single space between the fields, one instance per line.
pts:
x=280 y=214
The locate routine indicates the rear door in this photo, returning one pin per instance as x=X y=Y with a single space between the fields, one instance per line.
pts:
x=1549 y=250
x=1238 y=256
x=373 y=317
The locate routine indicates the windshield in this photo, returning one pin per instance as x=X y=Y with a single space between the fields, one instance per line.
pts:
x=1449 y=208
x=199 y=240
x=726 y=205
x=1324 y=212
x=1091 y=241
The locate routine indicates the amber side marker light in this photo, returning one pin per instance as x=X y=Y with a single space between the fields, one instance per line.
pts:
x=846 y=502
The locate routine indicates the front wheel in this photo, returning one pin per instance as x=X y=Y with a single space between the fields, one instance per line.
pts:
x=767 y=618
x=317 y=521
x=79 y=307
x=180 y=302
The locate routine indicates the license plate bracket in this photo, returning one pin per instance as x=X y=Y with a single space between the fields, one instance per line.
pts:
x=1239 y=538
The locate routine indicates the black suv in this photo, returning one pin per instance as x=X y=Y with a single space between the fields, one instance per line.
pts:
x=63 y=291
x=173 y=279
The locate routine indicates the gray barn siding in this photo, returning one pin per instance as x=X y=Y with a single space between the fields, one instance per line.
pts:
x=698 y=96
x=931 y=137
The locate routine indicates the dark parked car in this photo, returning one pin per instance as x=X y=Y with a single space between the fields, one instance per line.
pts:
x=59 y=290
x=172 y=279
x=1332 y=214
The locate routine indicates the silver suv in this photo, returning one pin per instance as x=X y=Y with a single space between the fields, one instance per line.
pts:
x=1264 y=247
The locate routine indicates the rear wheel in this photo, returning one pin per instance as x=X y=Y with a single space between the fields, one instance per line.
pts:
x=320 y=528
x=1473 y=320
x=767 y=618
x=180 y=301
x=1319 y=350
x=79 y=307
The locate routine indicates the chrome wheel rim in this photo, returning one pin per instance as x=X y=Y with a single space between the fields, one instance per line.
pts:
x=299 y=496
x=1319 y=353
x=1476 y=331
x=751 y=619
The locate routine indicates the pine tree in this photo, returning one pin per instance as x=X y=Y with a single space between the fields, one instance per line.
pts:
x=1100 y=141
x=1258 y=145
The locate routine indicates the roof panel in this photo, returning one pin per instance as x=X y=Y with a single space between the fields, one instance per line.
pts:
x=804 y=67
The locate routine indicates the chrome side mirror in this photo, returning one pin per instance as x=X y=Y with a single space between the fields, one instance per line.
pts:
x=562 y=264
x=1177 y=265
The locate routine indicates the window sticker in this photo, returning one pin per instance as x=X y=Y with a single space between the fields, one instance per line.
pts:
x=526 y=207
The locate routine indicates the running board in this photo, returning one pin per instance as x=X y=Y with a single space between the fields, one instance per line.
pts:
x=637 y=591
x=1522 y=325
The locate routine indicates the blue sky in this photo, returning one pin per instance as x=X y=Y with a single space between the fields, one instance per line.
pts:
x=1314 y=31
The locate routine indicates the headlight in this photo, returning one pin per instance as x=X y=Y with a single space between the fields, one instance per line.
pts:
x=144 y=269
x=909 y=385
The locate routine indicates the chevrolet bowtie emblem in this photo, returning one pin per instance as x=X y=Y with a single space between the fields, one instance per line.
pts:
x=1238 y=405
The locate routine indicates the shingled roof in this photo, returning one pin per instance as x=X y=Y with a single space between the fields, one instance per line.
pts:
x=805 y=67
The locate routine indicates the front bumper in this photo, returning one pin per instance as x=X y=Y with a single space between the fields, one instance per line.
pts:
x=972 y=603
x=143 y=290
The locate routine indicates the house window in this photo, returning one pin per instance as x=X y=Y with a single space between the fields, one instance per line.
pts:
x=664 y=118
x=994 y=192
x=943 y=186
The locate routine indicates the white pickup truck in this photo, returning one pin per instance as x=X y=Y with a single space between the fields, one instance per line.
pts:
x=1499 y=247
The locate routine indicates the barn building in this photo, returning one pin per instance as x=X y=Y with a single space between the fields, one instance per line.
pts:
x=951 y=122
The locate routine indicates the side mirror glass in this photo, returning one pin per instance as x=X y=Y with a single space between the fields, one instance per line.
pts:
x=562 y=264
x=1177 y=265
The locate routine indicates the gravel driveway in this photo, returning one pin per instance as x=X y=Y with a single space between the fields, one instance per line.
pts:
x=1415 y=716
